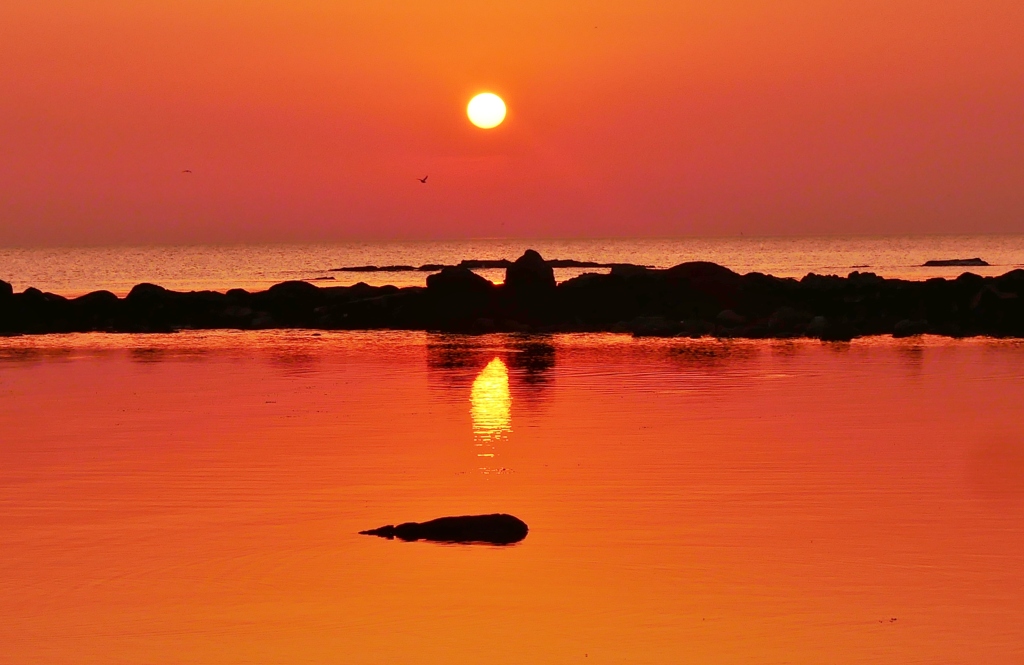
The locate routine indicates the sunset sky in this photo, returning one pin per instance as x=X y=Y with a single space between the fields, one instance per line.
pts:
x=312 y=119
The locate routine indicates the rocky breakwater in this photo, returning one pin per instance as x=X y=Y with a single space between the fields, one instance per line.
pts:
x=691 y=299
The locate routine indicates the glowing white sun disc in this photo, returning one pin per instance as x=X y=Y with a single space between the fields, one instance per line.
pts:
x=486 y=110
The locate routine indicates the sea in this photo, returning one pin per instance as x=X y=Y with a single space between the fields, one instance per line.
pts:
x=197 y=497
x=74 y=271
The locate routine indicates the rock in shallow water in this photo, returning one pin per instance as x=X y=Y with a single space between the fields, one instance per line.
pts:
x=941 y=263
x=496 y=529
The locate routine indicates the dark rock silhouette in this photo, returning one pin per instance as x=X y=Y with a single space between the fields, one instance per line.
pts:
x=530 y=275
x=529 y=291
x=458 y=280
x=457 y=297
x=690 y=300
x=955 y=262
x=497 y=529
x=908 y=328
x=400 y=268
x=816 y=327
x=652 y=326
x=475 y=264
x=727 y=317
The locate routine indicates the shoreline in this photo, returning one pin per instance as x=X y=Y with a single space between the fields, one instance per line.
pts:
x=694 y=299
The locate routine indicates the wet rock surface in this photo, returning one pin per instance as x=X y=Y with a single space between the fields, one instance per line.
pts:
x=690 y=300
x=496 y=529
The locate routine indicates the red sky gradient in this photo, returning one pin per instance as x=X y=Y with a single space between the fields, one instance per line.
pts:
x=311 y=120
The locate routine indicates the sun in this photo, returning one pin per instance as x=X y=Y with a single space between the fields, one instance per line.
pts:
x=486 y=110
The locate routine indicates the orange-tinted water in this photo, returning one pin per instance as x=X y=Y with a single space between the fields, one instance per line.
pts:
x=73 y=271
x=195 y=498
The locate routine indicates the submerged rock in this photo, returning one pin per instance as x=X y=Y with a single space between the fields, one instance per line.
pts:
x=496 y=529
x=398 y=268
x=939 y=263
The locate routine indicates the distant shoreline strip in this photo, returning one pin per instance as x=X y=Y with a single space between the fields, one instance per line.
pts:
x=483 y=264
x=503 y=264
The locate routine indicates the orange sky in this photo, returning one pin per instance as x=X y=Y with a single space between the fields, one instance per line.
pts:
x=309 y=119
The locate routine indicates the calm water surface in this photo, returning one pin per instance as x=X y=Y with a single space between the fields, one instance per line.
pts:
x=195 y=498
x=76 y=271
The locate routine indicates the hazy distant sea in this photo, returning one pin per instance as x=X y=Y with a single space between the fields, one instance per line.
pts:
x=74 y=271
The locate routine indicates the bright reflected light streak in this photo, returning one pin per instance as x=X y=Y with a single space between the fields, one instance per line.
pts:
x=491 y=403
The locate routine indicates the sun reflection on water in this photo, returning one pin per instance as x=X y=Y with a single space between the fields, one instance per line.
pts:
x=491 y=407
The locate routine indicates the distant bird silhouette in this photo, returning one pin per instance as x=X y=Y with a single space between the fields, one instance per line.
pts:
x=187 y=171
x=423 y=179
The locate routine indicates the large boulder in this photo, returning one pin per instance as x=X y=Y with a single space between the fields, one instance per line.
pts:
x=1012 y=281
x=6 y=290
x=295 y=290
x=530 y=274
x=701 y=288
x=146 y=293
x=702 y=271
x=39 y=312
x=456 y=297
x=289 y=303
x=96 y=311
x=705 y=277
x=458 y=281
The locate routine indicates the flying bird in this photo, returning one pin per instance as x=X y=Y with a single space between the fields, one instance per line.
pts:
x=423 y=179
x=187 y=171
